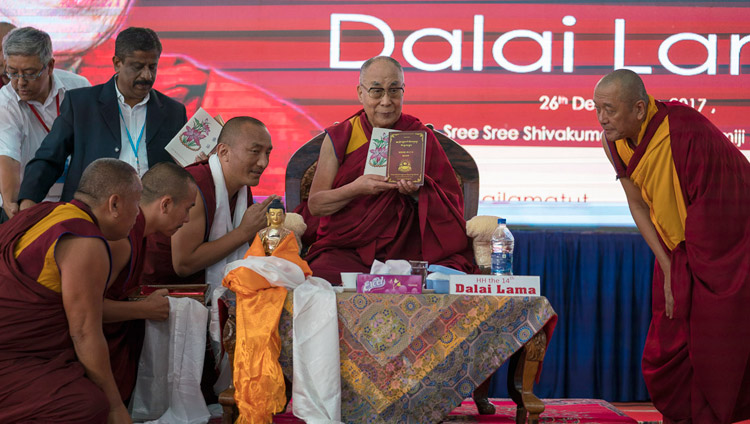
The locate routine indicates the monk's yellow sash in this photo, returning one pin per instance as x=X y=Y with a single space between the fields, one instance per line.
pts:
x=657 y=179
x=49 y=276
x=358 y=137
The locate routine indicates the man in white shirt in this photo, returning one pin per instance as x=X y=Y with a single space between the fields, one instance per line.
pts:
x=28 y=105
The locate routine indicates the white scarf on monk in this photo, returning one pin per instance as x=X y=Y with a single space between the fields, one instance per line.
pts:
x=224 y=222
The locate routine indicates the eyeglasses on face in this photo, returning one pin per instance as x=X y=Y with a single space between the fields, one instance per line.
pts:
x=26 y=77
x=378 y=92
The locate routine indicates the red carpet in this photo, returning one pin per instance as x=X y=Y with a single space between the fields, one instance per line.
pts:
x=644 y=413
x=556 y=411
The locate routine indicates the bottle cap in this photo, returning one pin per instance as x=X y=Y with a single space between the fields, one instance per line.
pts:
x=501 y=220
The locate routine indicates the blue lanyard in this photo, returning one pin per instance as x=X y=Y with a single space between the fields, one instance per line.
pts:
x=136 y=146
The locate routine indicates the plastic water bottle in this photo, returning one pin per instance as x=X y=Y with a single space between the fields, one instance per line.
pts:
x=502 y=249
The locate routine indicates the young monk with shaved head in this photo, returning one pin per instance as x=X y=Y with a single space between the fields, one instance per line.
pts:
x=169 y=193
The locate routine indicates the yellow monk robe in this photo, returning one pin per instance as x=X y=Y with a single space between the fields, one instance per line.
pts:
x=655 y=175
x=36 y=241
x=258 y=379
x=358 y=137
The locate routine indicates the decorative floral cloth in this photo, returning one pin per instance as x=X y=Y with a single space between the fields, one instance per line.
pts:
x=414 y=358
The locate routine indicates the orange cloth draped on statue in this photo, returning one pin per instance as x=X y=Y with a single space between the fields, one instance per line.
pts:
x=258 y=379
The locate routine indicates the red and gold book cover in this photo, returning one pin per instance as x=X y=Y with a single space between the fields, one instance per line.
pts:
x=406 y=153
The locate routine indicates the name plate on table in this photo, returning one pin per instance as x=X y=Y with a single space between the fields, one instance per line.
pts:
x=495 y=285
x=397 y=284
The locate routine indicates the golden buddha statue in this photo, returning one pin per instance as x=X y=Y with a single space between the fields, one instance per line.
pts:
x=272 y=235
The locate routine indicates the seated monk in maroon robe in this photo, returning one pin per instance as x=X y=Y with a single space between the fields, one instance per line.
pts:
x=168 y=194
x=688 y=189
x=55 y=266
x=363 y=217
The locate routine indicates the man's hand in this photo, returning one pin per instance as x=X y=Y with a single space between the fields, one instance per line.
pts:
x=407 y=187
x=669 y=299
x=26 y=203
x=200 y=157
x=11 y=208
x=157 y=305
x=119 y=415
x=372 y=184
x=255 y=217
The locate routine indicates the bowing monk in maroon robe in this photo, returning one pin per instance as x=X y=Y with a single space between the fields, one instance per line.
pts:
x=168 y=195
x=688 y=189
x=363 y=217
x=54 y=267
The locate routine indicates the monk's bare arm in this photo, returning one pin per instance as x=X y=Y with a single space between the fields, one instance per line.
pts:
x=155 y=306
x=190 y=254
x=325 y=200
x=10 y=183
x=84 y=269
x=642 y=217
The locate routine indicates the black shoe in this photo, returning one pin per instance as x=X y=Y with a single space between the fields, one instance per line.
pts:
x=484 y=406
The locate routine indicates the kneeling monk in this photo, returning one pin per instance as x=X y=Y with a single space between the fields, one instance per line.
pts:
x=54 y=364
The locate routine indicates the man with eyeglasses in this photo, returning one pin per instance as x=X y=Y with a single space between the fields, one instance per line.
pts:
x=124 y=118
x=363 y=217
x=29 y=105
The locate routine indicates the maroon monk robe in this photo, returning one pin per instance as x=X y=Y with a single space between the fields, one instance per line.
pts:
x=158 y=268
x=697 y=364
x=42 y=381
x=125 y=339
x=391 y=225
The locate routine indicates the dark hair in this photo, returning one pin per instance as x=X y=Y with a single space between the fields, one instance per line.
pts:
x=166 y=179
x=105 y=177
x=134 y=39
x=276 y=204
x=235 y=125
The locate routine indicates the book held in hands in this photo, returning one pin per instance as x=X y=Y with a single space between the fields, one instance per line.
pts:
x=406 y=156
x=200 y=135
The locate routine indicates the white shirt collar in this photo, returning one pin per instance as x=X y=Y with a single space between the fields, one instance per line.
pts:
x=121 y=98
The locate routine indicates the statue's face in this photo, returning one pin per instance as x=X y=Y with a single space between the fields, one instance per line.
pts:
x=73 y=25
x=275 y=217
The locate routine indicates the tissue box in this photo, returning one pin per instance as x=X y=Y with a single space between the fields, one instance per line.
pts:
x=398 y=284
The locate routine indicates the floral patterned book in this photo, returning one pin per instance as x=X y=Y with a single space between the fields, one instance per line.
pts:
x=199 y=135
x=377 y=155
